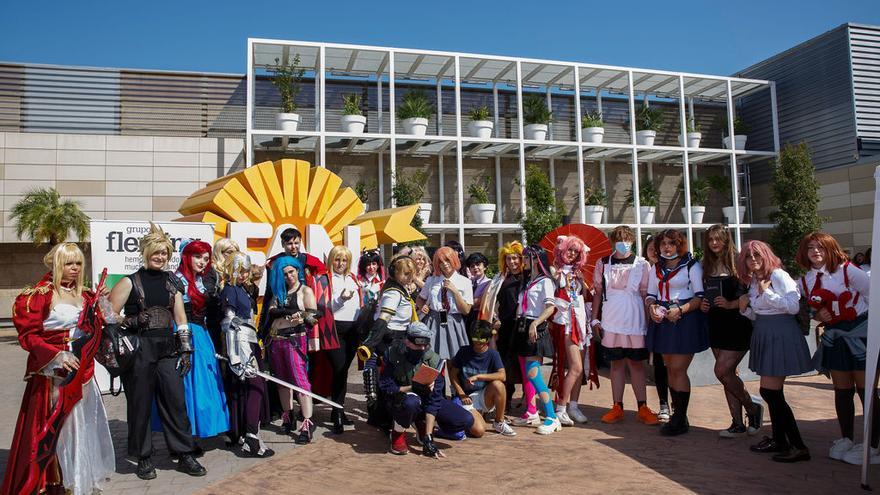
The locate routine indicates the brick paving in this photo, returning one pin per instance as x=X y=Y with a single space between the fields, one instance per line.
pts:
x=594 y=458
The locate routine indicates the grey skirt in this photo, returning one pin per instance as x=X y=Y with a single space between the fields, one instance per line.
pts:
x=778 y=347
x=448 y=338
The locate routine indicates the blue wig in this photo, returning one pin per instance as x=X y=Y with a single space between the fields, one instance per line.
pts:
x=276 y=277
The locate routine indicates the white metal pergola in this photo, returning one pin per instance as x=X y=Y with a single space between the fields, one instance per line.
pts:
x=384 y=66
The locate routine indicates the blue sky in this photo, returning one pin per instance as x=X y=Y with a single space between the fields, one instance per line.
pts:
x=704 y=37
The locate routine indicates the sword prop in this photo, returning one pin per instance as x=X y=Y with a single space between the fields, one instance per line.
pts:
x=284 y=384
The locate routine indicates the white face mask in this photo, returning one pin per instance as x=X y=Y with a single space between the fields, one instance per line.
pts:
x=669 y=256
x=623 y=248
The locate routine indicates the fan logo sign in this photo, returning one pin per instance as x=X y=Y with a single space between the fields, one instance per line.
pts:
x=253 y=206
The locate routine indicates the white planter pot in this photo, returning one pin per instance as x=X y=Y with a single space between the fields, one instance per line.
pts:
x=646 y=213
x=697 y=213
x=483 y=212
x=594 y=213
x=645 y=138
x=481 y=128
x=693 y=139
x=425 y=212
x=366 y=207
x=415 y=126
x=353 y=123
x=740 y=140
x=536 y=132
x=593 y=134
x=728 y=214
x=286 y=121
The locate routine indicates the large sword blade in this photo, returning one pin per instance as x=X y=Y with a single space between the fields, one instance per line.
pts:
x=284 y=384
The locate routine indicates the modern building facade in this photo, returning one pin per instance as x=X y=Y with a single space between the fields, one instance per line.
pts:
x=828 y=93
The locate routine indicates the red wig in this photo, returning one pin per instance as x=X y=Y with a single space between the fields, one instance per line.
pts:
x=761 y=250
x=834 y=255
x=448 y=254
x=193 y=249
x=565 y=243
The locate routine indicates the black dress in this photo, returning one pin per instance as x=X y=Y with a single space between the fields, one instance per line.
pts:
x=728 y=329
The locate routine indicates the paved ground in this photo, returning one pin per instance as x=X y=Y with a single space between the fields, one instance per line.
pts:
x=595 y=458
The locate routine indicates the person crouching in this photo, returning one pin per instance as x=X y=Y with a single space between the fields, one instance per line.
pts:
x=409 y=401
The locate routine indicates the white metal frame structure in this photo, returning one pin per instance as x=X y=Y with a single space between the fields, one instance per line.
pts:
x=451 y=70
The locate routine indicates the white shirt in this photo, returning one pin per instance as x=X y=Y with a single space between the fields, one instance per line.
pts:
x=859 y=283
x=400 y=307
x=345 y=310
x=537 y=295
x=432 y=290
x=685 y=284
x=780 y=298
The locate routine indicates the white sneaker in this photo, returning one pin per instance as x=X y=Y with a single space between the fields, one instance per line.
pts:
x=854 y=456
x=663 y=414
x=530 y=420
x=839 y=448
x=563 y=418
x=574 y=412
x=549 y=426
x=503 y=428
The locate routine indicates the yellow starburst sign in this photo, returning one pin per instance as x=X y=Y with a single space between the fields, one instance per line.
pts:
x=271 y=196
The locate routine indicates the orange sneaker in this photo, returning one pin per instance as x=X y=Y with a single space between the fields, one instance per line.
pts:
x=615 y=415
x=647 y=416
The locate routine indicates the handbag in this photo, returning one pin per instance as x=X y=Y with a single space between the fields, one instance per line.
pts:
x=120 y=342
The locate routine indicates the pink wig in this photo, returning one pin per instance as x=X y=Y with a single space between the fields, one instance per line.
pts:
x=563 y=244
x=762 y=250
x=446 y=253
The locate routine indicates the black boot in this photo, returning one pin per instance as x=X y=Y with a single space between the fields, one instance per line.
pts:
x=145 y=470
x=336 y=418
x=306 y=432
x=253 y=447
x=678 y=423
x=187 y=464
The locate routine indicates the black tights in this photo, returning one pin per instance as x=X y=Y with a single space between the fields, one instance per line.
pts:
x=785 y=429
x=661 y=379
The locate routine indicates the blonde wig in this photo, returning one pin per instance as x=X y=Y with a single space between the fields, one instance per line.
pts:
x=155 y=241
x=513 y=247
x=236 y=264
x=223 y=244
x=60 y=255
x=335 y=253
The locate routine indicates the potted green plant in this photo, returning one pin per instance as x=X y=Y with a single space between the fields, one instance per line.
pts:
x=409 y=189
x=353 y=120
x=592 y=127
x=649 y=198
x=543 y=211
x=480 y=125
x=364 y=189
x=721 y=185
x=481 y=210
x=649 y=120
x=740 y=133
x=287 y=77
x=414 y=112
x=699 y=198
x=594 y=203
x=537 y=118
x=693 y=135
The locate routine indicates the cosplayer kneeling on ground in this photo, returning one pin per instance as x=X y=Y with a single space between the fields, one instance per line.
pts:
x=621 y=284
x=532 y=339
x=838 y=292
x=778 y=347
x=163 y=358
x=60 y=374
x=247 y=392
x=409 y=401
x=477 y=376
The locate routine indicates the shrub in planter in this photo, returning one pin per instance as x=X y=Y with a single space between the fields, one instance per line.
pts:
x=353 y=119
x=409 y=189
x=594 y=204
x=287 y=78
x=649 y=120
x=364 y=189
x=537 y=118
x=481 y=124
x=543 y=212
x=649 y=198
x=740 y=133
x=796 y=193
x=592 y=127
x=414 y=112
x=692 y=140
x=721 y=185
x=699 y=198
x=482 y=211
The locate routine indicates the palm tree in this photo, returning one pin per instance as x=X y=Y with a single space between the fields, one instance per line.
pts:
x=44 y=217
